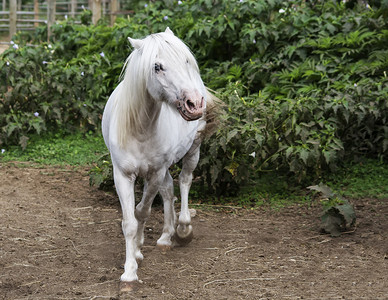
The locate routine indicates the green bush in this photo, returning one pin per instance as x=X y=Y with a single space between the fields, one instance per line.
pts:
x=315 y=95
x=305 y=84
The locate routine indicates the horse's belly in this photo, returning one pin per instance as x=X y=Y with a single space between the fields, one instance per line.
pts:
x=146 y=159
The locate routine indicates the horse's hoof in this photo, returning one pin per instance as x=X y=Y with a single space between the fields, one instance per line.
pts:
x=128 y=286
x=183 y=239
x=164 y=248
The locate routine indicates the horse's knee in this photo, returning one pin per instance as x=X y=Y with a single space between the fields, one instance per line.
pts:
x=142 y=213
x=129 y=227
x=185 y=178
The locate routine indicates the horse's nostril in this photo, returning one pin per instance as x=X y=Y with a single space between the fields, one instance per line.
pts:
x=190 y=104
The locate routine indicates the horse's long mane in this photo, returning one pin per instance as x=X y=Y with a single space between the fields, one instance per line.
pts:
x=139 y=66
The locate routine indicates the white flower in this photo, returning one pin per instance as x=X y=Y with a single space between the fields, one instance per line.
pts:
x=254 y=41
x=2 y=151
x=44 y=62
x=12 y=42
x=179 y=2
x=281 y=11
x=355 y=85
x=102 y=54
x=165 y=18
x=241 y=1
x=253 y=154
x=15 y=46
x=65 y=17
x=82 y=73
x=145 y=5
x=36 y=114
x=84 y=105
x=83 y=6
x=49 y=46
x=7 y=63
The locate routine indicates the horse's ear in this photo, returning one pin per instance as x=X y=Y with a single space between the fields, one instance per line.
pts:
x=169 y=31
x=135 y=43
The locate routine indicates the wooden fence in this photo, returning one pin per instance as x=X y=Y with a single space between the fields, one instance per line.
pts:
x=15 y=17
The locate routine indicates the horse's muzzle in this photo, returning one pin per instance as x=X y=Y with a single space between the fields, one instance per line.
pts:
x=191 y=106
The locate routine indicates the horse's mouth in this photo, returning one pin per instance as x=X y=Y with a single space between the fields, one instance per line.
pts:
x=191 y=106
x=189 y=117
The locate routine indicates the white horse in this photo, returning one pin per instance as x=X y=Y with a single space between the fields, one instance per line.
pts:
x=153 y=119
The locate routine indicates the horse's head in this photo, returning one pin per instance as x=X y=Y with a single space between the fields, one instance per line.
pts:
x=171 y=73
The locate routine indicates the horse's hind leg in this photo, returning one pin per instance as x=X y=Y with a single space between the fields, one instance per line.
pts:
x=184 y=230
x=143 y=209
x=167 y=192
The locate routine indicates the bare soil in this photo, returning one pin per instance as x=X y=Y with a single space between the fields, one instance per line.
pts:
x=61 y=239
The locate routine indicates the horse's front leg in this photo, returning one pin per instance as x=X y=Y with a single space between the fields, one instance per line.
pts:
x=125 y=189
x=184 y=230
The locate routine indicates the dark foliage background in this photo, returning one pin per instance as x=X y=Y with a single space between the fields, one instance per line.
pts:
x=305 y=83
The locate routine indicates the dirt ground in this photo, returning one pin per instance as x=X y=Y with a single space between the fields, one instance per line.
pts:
x=61 y=239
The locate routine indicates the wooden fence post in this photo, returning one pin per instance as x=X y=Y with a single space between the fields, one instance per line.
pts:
x=12 y=18
x=36 y=12
x=113 y=10
x=96 y=11
x=50 y=16
x=4 y=7
x=73 y=8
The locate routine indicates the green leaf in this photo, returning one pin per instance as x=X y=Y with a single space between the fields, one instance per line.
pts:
x=329 y=155
x=338 y=218
x=231 y=134
x=322 y=188
x=304 y=155
x=331 y=222
x=23 y=141
x=347 y=211
x=289 y=151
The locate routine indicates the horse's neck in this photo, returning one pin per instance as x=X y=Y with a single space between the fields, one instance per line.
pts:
x=163 y=124
x=152 y=111
x=148 y=117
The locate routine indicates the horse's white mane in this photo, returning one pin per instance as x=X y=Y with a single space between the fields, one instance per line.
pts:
x=139 y=67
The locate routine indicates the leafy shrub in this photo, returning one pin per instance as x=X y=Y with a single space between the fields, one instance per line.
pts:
x=305 y=83
x=338 y=214
x=316 y=95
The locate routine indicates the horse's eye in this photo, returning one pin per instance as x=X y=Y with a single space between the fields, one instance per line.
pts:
x=158 y=68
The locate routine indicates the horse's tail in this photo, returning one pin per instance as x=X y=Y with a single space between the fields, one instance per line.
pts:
x=214 y=108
